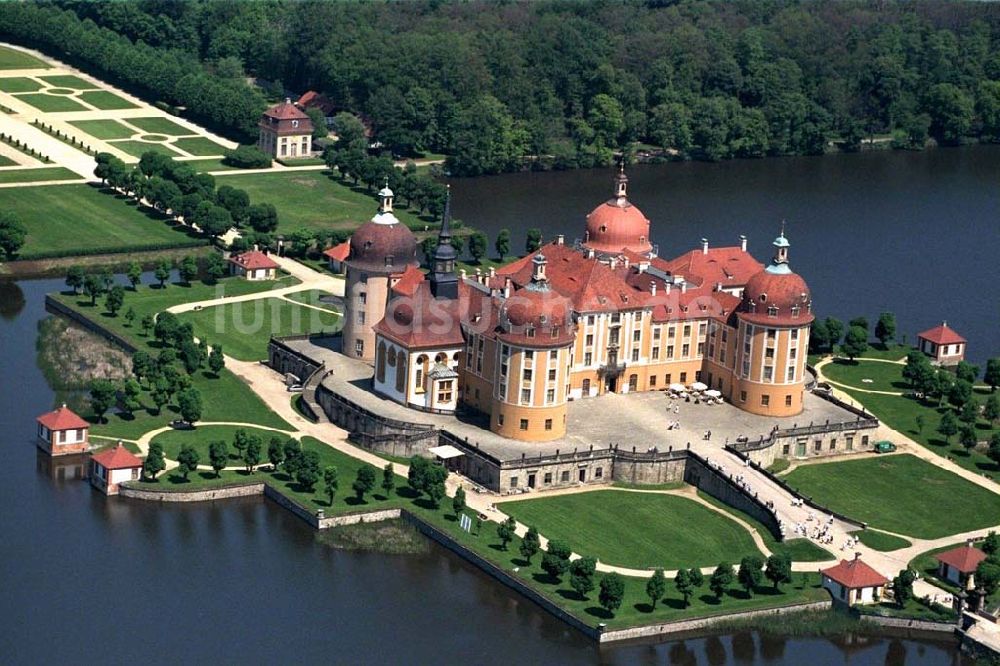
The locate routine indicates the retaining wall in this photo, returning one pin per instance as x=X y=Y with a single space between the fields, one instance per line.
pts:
x=703 y=476
x=905 y=623
x=243 y=490
x=55 y=307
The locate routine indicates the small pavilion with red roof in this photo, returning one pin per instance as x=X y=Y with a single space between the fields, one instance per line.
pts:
x=336 y=255
x=111 y=467
x=942 y=344
x=285 y=131
x=853 y=582
x=958 y=564
x=61 y=432
x=253 y=265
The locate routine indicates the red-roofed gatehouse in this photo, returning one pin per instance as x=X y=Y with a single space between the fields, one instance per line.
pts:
x=111 y=467
x=61 y=432
x=253 y=265
x=958 y=564
x=853 y=582
x=336 y=255
x=942 y=344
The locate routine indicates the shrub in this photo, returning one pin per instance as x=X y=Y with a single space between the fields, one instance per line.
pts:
x=247 y=157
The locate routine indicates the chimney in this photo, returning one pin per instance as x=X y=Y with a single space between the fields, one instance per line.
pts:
x=684 y=287
x=668 y=287
x=256 y=248
x=652 y=288
x=743 y=242
x=462 y=273
x=704 y=246
x=969 y=542
x=590 y=253
x=560 y=239
x=63 y=406
x=493 y=271
x=613 y=263
x=857 y=555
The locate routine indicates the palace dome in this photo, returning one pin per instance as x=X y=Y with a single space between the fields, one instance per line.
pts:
x=777 y=299
x=617 y=225
x=380 y=247
x=537 y=317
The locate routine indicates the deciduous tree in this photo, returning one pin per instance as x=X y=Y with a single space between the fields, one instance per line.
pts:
x=365 y=482
x=612 y=592
x=779 y=569
x=581 y=575
x=721 y=579
x=656 y=587
x=188 y=459
x=330 y=482
x=154 y=462
x=555 y=560
x=102 y=395
x=218 y=456
x=388 y=479
x=505 y=532
x=530 y=544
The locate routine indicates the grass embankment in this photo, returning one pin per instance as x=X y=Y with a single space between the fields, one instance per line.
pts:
x=224 y=398
x=880 y=540
x=14 y=59
x=392 y=537
x=882 y=376
x=200 y=439
x=36 y=175
x=313 y=200
x=637 y=530
x=800 y=550
x=246 y=327
x=899 y=493
x=80 y=219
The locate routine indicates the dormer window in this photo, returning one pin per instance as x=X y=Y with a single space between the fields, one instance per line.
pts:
x=295 y=123
x=555 y=331
x=368 y=244
x=763 y=298
x=604 y=228
x=795 y=310
x=772 y=311
x=531 y=332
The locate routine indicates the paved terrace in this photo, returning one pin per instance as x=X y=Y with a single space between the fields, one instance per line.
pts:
x=638 y=419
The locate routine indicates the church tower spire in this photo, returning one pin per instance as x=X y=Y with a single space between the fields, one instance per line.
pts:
x=444 y=282
x=779 y=263
x=621 y=183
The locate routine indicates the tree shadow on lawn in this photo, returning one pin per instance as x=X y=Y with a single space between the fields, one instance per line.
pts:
x=353 y=500
x=407 y=492
x=544 y=578
x=598 y=612
x=643 y=607
x=571 y=595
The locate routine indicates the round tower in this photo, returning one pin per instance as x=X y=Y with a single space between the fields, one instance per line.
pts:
x=535 y=340
x=380 y=249
x=773 y=339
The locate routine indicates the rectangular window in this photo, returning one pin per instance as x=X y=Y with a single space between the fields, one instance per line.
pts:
x=529 y=354
x=656 y=333
x=672 y=331
x=792 y=352
x=547 y=479
x=771 y=333
x=652 y=381
x=552 y=374
x=361 y=316
x=687 y=330
x=765 y=400
x=513 y=482
x=684 y=378
x=635 y=355
x=589 y=340
x=359 y=347
x=786 y=448
x=701 y=348
x=788 y=400
x=588 y=358
x=670 y=351
x=548 y=424
x=524 y=424
x=667 y=378
x=499 y=419
x=818 y=445
x=656 y=353
x=769 y=352
x=850 y=442
x=833 y=443
x=725 y=334
x=527 y=374
x=685 y=350
x=564 y=476
x=363 y=297
x=636 y=336
x=599 y=473
x=701 y=328
x=525 y=396
x=795 y=334
x=791 y=374
x=590 y=320
x=768 y=373
x=550 y=395
x=554 y=355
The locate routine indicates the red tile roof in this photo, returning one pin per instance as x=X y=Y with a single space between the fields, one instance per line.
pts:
x=941 y=335
x=338 y=252
x=62 y=418
x=253 y=260
x=787 y=292
x=616 y=225
x=286 y=111
x=117 y=458
x=419 y=320
x=964 y=558
x=855 y=574
x=409 y=281
x=728 y=266
x=314 y=100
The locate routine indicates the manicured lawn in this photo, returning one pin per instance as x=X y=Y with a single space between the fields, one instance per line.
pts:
x=18 y=84
x=311 y=200
x=6 y=161
x=883 y=376
x=13 y=59
x=899 y=493
x=64 y=218
x=927 y=565
x=202 y=436
x=636 y=529
x=104 y=129
x=68 y=81
x=106 y=101
x=881 y=540
x=199 y=145
x=137 y=148
x=244 y=328
x=800 y=550
x=51 y=103
x=38 y=175
x=209 y=165
x=900 y=413
x=159 y=125
x=312 y=297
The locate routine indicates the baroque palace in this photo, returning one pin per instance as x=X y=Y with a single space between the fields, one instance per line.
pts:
x=568 y=322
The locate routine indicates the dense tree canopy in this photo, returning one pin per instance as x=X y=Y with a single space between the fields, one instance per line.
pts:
x=563 y=84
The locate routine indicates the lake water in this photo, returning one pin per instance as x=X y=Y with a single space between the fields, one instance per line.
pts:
x=915 y=233
x=87 y=579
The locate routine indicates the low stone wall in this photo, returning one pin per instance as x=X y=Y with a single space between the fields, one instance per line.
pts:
x=906 y=623
x=499 y=574
x=400 y=445
x=706 y=478
x=151 y=495
x=357 y=518
x=362 y=422
x=55 y=307
x=302 y=512
x=284 y=359
x=667 y=628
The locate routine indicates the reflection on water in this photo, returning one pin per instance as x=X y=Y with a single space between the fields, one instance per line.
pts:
x=11 y=299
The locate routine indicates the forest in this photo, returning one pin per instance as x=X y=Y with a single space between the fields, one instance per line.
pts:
x=506 y=85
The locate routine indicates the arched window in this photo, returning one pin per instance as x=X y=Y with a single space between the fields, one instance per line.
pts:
x=392 y=357
x=400 y=372
x=418 y=377
x=441 y=358
x=380 y=362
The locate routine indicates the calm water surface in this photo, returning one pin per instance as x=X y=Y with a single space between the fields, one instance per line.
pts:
x=914 y=233
x=86 y=579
